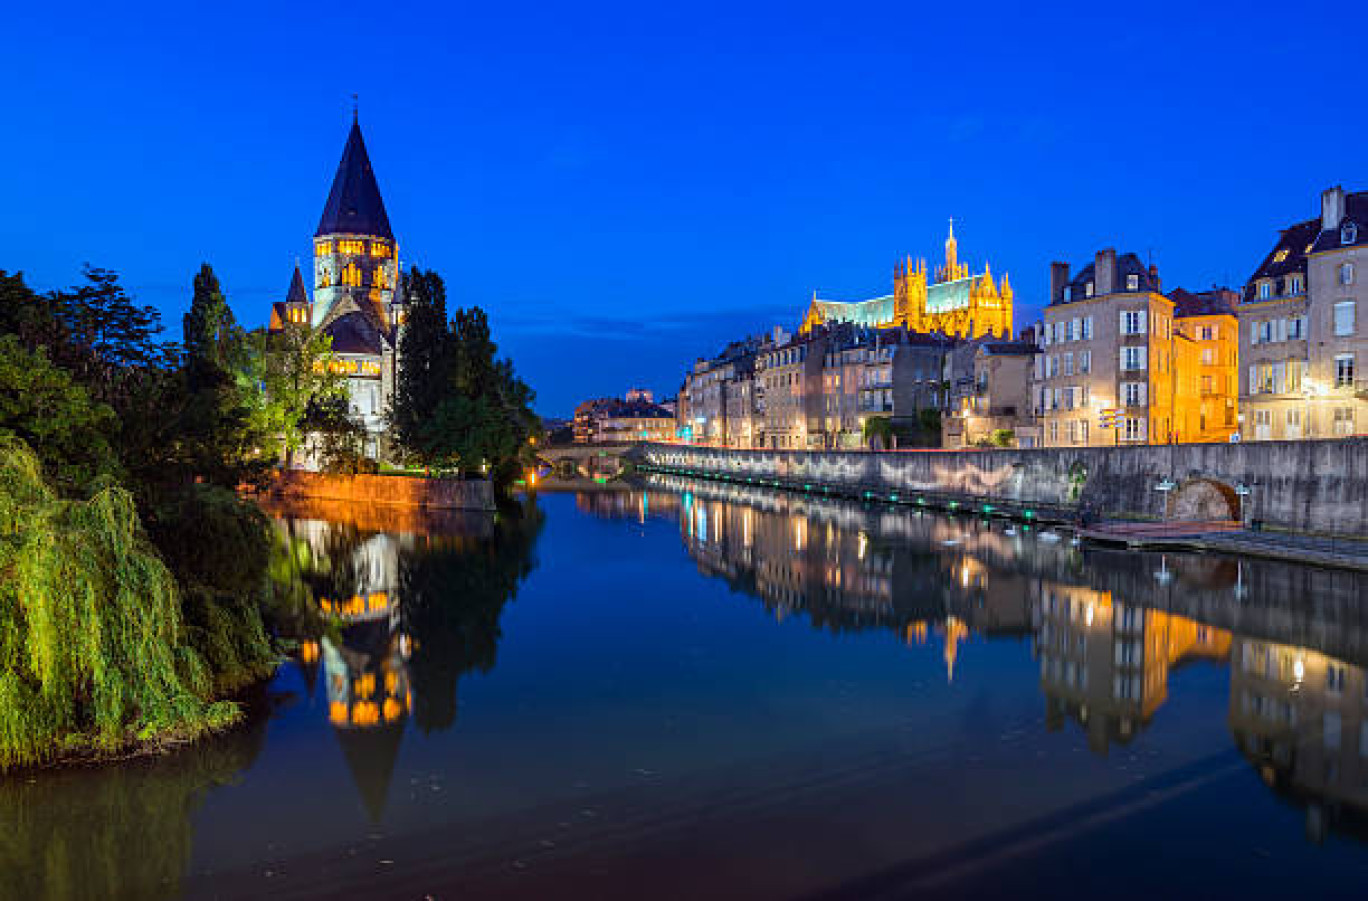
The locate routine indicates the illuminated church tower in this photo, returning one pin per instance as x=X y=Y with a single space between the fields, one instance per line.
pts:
x=357 y=298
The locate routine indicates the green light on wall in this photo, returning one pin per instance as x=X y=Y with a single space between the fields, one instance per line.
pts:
x=954 y=505
x=988 y=508
x=1028 y=514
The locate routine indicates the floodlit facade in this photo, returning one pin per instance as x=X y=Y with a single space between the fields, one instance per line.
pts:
x=1303 y=340
x=952 y=302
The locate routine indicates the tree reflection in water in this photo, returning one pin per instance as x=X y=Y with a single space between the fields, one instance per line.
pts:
x=132 y=837
x=1107 y=629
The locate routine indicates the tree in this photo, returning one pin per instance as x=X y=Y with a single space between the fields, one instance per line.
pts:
x=425 y=352
x=285 y=375
x=456 y=405
x=55 y=417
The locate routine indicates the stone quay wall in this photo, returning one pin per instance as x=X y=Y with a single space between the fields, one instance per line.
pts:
x=1312 y=487
x=408 y=491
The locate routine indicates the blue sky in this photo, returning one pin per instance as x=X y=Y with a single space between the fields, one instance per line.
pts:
x=626 y=187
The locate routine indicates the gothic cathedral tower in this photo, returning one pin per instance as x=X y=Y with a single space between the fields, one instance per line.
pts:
x=355 y=255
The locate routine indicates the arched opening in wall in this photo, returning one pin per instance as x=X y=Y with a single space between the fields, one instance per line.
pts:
x=1204 y=500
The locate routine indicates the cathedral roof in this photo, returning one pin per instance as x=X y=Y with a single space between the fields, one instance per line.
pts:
x=354 y=334
x=354 y=206
x=298 y=293
x=870 y=312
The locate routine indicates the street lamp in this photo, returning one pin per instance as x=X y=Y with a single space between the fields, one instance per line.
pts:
x=1164 y=487
x=1242 y=491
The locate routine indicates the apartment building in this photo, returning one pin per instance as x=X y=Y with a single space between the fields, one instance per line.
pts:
x=989 y=385
x=1207 y=349
x=1107 y=344
x=1303 y=344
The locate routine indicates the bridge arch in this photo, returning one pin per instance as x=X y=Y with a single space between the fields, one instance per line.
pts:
x=1203 y=499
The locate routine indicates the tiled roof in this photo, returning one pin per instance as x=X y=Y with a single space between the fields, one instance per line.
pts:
x=1216 y=302
x=1296 y=242
x=354 y=334
x=1127 y=264
x=354 y=206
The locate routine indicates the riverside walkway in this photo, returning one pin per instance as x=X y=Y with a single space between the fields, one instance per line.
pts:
x=1227 y=536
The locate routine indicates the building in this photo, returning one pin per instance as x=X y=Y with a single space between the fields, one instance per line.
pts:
x=953 y=303
x=724 y=400
x=989 y=386
x=1302 y=342
x=356 y=299
x=612 y=420
x=1207 y=364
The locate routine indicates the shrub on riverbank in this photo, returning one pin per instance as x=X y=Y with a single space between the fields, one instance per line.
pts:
x=93 y=657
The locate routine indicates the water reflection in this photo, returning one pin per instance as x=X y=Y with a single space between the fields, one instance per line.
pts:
x=1107 y=629
x=406 y=606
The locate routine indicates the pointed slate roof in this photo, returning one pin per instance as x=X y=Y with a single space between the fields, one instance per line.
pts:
x=298 y=293
x=354 y=206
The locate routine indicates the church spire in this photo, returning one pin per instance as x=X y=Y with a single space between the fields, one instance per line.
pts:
x=951 y=254
x=298 y=293
x=354 y=206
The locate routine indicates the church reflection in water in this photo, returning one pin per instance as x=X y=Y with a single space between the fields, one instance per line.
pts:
x=1107 y=629
x=397 y=603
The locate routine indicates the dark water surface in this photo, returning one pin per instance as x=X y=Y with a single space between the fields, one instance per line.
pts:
x=693 y=690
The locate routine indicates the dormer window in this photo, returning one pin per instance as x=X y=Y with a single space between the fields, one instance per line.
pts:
x=1295 y=284
x=1280 y=255
x=1265 y=290
x=1088 y=290
x=1348 y=233
x=1132 y=282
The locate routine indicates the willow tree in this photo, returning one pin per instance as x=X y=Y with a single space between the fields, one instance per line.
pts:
x=92 y=657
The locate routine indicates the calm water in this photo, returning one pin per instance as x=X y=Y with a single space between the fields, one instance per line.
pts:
x=693 y=690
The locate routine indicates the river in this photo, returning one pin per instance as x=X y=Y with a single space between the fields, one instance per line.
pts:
x=689 y=689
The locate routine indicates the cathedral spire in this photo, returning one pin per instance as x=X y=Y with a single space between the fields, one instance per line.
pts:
x=354 y=206
x=298 y=293
x=951 y=254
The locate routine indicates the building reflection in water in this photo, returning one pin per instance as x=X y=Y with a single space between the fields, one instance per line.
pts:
x=1108 y=629
x=403 y=602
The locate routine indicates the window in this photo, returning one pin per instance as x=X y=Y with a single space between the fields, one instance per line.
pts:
x=1133 y=393
x=1088 y=290
x=351 y=275
x=1208 y=356
x=1261 y=378
x=1296 y=370
x=1346 y=274
x=1348 y=233
x=380 y=249
x=1054 y=366
x=1265 y=290
x=351 y=246
x=1296 y=328
x=1087 y=328
x=1068 y=364
x=1334 y=678
x=1344 y=421
x=1293 y=424
x=1135 y=429
x=1263 y=425
x=1084 y=361
x=1344 y=370
x=378 y=278
x=1132 y=282
x=1280 y=255
x=1071 y=330
x=1206 y=333
x=1132 y=322
x=1344 y=318
x=1132 y=358
x=1296 y=284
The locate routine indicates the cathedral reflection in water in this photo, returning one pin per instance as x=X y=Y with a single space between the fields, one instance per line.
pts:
x=1107 y=628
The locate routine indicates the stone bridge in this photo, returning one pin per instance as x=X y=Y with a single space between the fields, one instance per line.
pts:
x=570 y=462
x=1316 y=487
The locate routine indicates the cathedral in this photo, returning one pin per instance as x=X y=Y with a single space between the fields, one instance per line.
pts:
x=357 y=295
x=955 y=303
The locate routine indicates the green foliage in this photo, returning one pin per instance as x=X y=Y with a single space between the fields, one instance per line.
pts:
x=456 y=405
x=287 y=376
x=56 y=418
x=1002 y=438
x=878 y=432
x=91 y=654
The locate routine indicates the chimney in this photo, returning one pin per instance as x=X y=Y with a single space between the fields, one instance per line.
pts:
x=1104 y=272
x=1154 y=277
x=1059 y=280
x=1332 y=207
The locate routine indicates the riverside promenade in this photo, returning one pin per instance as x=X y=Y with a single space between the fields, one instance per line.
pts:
x=1227 y=537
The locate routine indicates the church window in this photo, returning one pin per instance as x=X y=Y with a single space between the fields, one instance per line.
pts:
x=378 y=279
x=322 y=248
x=351 y=246
x=380 y=249
x=351 y=275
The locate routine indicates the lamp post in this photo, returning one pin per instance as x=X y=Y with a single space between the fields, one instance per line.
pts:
x=1243 y=491
x=1165 y=486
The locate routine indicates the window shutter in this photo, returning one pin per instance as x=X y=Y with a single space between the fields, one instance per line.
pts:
x=1143 y=321
x=1253 y=386
x=1279 y=377
x=1122 y=324
x=1144 y=393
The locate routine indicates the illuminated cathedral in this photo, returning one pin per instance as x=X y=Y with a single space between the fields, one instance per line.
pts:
x=954 y=303
x=358 y=299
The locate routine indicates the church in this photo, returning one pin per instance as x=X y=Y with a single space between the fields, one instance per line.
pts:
x=954 y=303
x=357 y=293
